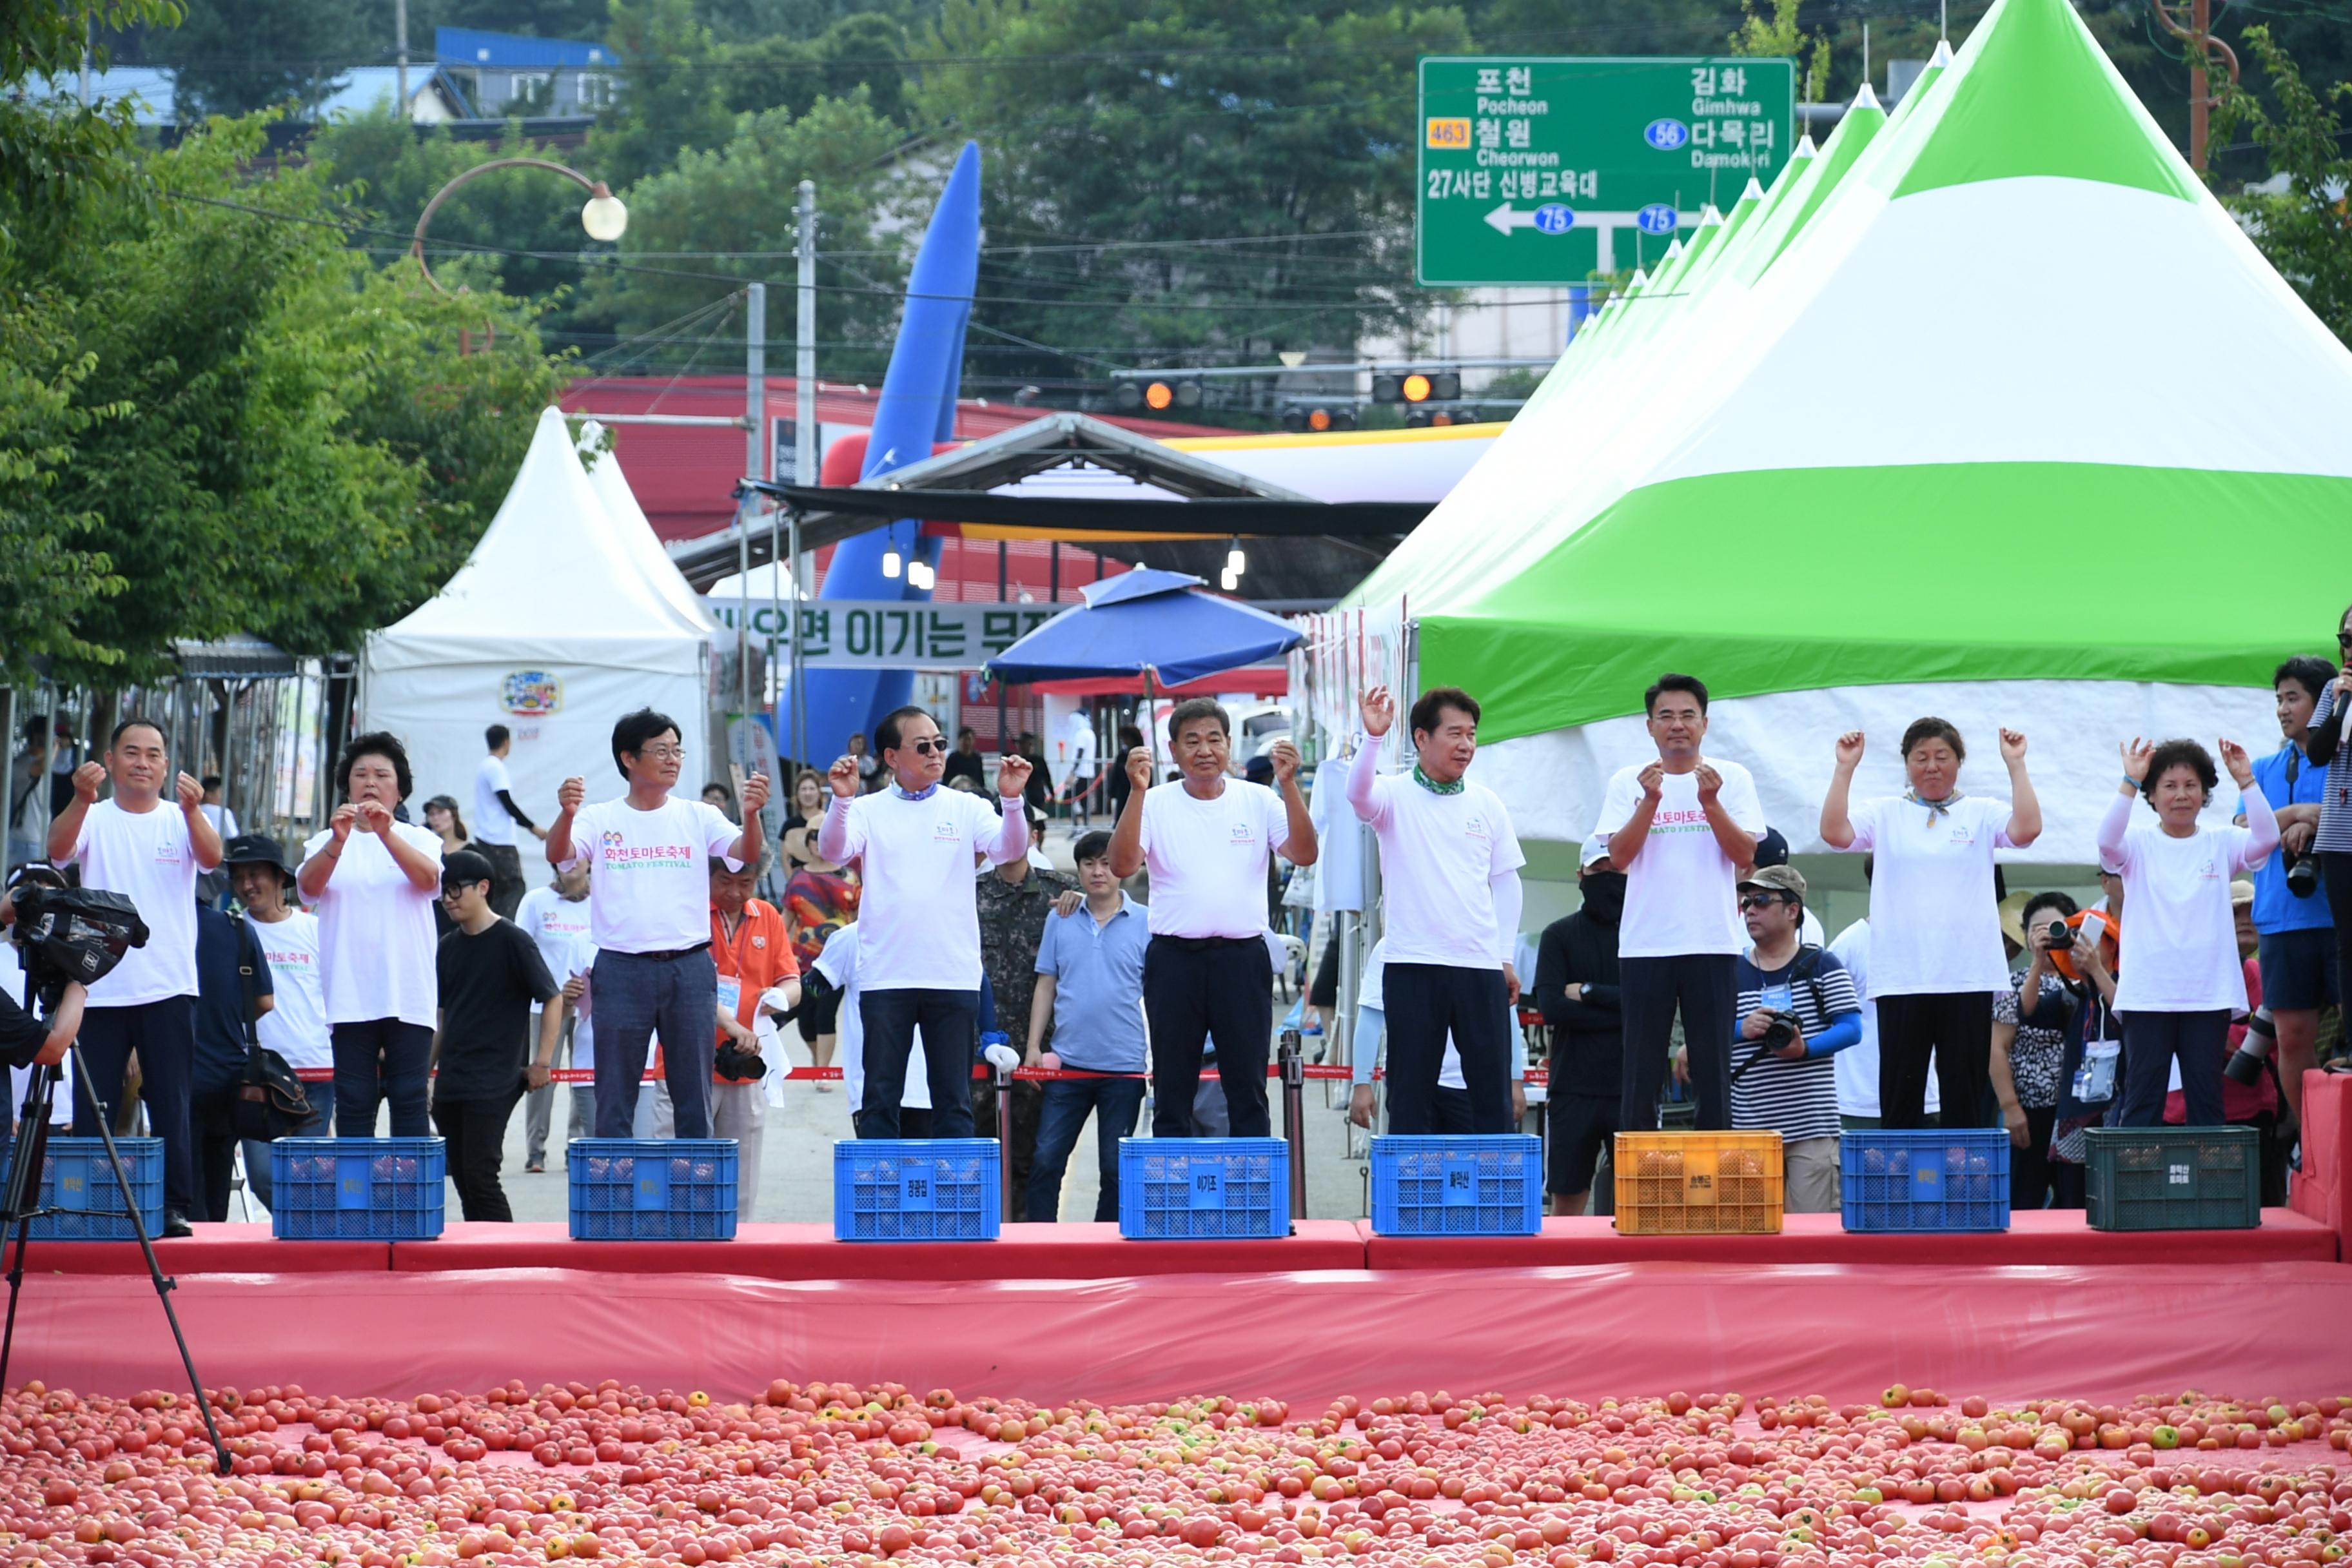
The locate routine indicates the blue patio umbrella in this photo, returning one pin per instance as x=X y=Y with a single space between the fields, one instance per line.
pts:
x=1159 y=626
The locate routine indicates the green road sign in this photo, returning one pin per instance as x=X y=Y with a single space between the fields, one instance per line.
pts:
x=1540 y=171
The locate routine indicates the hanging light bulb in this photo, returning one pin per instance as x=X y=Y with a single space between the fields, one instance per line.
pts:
x=892 y=562
x=1235 y=562
x=1230 y=580
x=921 y=574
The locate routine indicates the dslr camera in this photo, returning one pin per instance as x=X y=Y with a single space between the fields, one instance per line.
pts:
x=1779 y=1031
x=738 y=1065
x=2302 y=873
x=2246 y=1063
x=2058 y=937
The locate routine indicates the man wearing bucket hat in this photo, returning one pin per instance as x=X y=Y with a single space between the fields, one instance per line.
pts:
x=1797 y=1009
x=296 y=1028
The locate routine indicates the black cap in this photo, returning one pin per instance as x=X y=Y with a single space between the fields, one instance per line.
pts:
x=1772 y=849
x=465 y=867
x=254 y=849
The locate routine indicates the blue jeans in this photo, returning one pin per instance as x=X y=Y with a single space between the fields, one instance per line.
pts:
x=951 y=1024
x=1115 y=1103
x=635 y=996
x=382 y=1059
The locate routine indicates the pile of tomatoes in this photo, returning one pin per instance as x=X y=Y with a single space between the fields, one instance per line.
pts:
x=826 y=1474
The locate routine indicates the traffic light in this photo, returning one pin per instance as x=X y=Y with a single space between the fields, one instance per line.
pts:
x=1158 y=395
x=1417 y=386
x=1319 y=416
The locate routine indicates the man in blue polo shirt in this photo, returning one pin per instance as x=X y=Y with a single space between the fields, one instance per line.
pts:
x=1090 y=989
x=2296 y=933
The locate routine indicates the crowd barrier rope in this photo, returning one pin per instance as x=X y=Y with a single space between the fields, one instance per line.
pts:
x=1326 y=1073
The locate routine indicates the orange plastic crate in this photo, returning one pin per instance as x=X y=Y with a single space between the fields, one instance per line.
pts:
x=1699 y=1183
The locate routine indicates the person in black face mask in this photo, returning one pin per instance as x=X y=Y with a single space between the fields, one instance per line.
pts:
x=1576 y=989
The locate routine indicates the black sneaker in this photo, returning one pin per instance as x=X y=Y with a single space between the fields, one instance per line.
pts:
x=175 y=1224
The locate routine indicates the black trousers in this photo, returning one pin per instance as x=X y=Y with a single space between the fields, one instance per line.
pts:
x=505 y=877
x=474 y=1132
x=1198 y=990
x=164 y=1033
x=382 y=1059
x=2028 y=1168
x=2151 y=1041
x=1649 y=990
x=1955 y=1027
x=951 y=1024
x=2335 y=875
x=213 y=1118
x=1425 y=1003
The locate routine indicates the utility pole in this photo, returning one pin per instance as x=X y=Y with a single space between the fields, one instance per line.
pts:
x=400 y=53
x=805 y=445
x=2202 y=49
x=755 y=409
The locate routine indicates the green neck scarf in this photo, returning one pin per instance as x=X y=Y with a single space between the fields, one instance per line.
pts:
x=1433 y=786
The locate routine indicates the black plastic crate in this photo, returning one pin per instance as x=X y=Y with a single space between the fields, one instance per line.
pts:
x=2175 y=1178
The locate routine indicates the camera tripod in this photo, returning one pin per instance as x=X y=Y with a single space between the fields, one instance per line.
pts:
x=18 y=1208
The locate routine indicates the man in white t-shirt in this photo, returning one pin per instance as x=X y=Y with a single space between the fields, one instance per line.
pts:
x=556 y=918
x=648 y=854
x=295 y=1026
x=150 y=850
x=496 y=818
x=1080 y=782
x=1681 y=828
x=1450 y=873
x=919 y=958
x=1207 y=975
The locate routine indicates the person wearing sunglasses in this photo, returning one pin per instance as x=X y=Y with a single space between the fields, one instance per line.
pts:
x=2324 y=744
x=1936 y=959
x=1797 y=1010
x=490 y=976
x=916 y=843
x=648 y=855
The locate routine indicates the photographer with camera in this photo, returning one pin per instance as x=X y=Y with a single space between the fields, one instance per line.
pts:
x=2294 y=926
x=1797 y=1010
x=2028 y=1070
x=151 y=853
x=753 y=949
x=25 y=1040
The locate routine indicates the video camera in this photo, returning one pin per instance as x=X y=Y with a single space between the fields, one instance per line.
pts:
x=73 y=934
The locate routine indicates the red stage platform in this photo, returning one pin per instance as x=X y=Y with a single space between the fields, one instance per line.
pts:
x=2041 y=1237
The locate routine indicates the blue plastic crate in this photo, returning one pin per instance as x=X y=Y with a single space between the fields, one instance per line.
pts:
x=652 y=1189
x=1204 y=1189
x=78 y=1180
x=1937 y=1179
x=1457 y=1184
x=356 y=1189
x=916 y=1189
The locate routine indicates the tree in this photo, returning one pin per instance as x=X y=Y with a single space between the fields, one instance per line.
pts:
x=1779 y=37
x=1195 y=178
x=2306 y=228
x=669 y=98
x=868 y=50
x=741 y=197
x=234 y=57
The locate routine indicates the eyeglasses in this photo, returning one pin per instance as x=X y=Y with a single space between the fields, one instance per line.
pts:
x=662 y=753
x=935 y=746
x=1761 y=900
x=2343 y=639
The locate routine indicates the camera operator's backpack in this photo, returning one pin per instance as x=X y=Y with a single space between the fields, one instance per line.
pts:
x=271 y=1100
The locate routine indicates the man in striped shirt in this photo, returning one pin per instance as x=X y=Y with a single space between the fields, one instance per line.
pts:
x=1797 y=1009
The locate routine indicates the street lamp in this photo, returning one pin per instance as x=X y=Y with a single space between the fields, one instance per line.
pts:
x=604 y=217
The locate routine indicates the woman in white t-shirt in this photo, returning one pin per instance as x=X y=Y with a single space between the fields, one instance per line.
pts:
x=374 y=882
x=2186 y=977
x=1935 y=956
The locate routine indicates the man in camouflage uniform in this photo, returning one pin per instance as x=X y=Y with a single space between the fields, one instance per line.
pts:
x=1014 y=899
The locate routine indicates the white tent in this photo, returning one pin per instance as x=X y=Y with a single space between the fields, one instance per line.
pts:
x=562 y=619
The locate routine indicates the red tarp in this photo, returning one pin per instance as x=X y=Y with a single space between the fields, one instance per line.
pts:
x=2097 y=1333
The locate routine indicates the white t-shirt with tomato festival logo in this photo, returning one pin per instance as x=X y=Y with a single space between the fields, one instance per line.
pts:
x=1680 y=891
x=295 y=1026
x=649 y=872
x=147 y=857
x=1208 y=857
x=919 y=917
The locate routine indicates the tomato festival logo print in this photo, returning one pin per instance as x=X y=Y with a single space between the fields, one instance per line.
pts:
x=531 y=693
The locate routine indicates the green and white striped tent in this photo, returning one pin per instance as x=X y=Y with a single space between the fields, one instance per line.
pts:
x=1865 y=451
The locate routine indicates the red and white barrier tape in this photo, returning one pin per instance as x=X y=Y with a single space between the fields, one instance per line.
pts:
x=1314 y=1071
